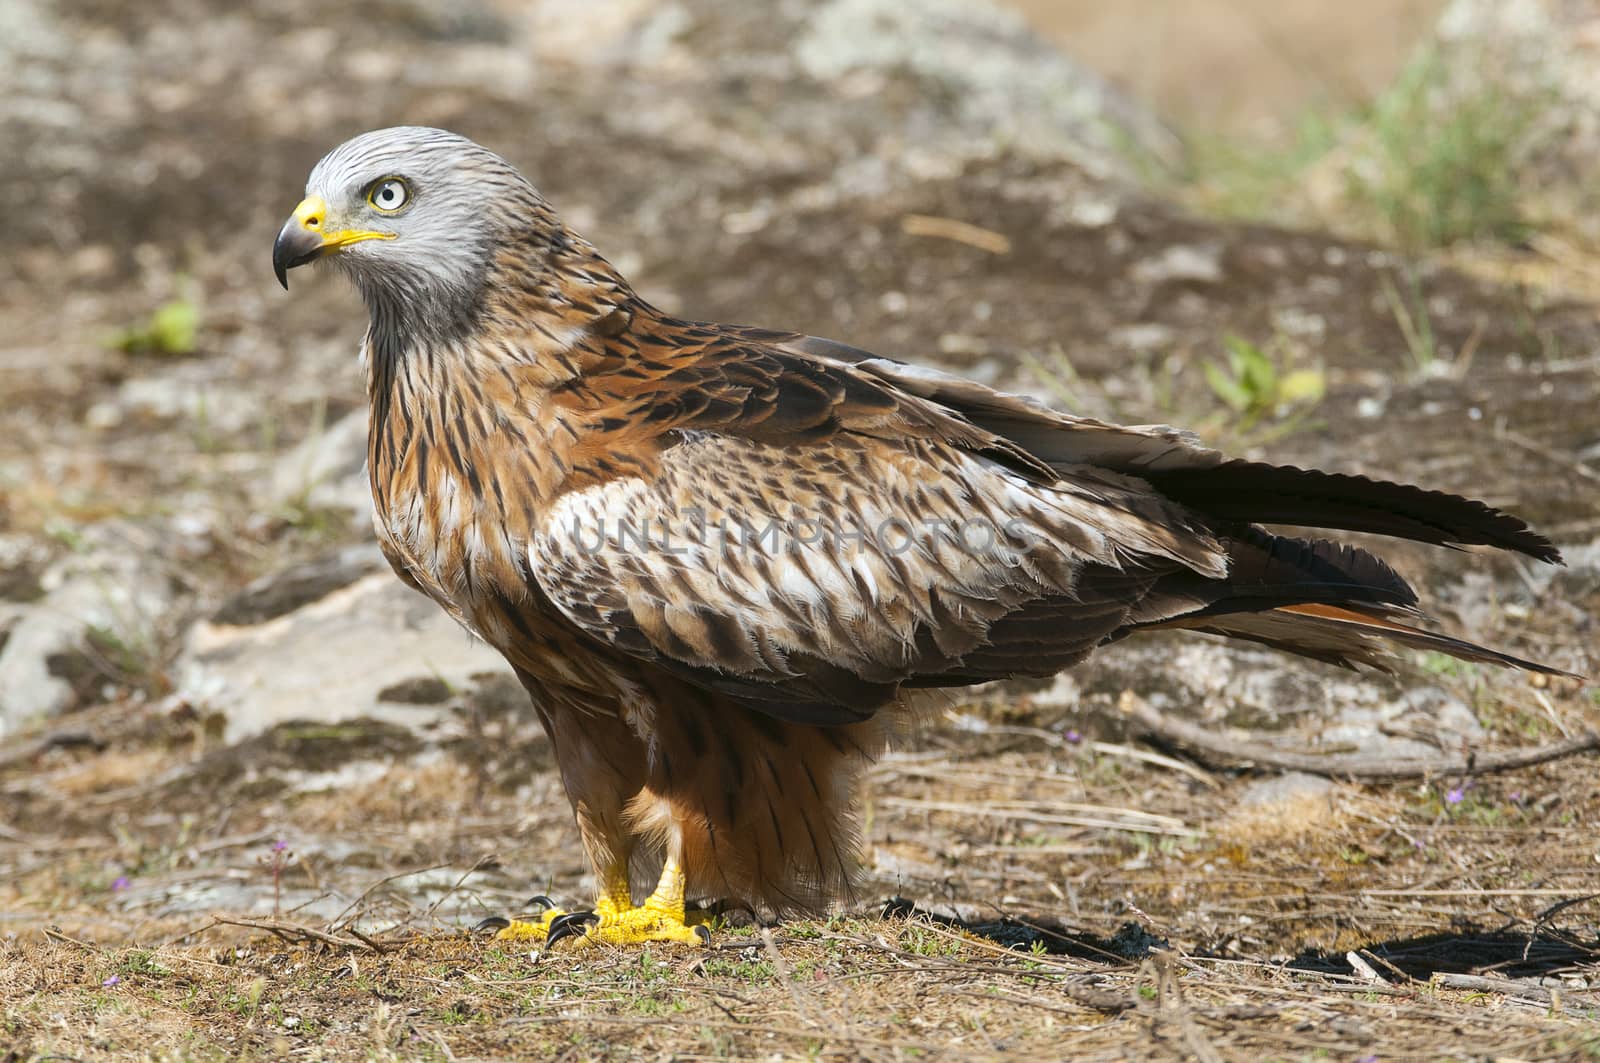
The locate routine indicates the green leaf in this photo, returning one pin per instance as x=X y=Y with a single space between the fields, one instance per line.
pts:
x=1302 y=385
x=1226 y=387
x=173 y=327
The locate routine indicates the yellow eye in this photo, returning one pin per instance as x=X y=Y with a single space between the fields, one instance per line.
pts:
x=389 y=195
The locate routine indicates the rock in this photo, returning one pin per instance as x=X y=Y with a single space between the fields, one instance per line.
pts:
x=1006 y=83
x=327 y=470
x=113 y=587
x=300 y=585
x=331 y=660
x=1283 y=789
x=1279 y=809
x=1181 y=264
x=1418 y=723
x=22 y=563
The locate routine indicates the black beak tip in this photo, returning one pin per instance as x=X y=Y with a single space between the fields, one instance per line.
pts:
x=293 y=247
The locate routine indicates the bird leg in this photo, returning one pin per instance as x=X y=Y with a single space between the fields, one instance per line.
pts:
x=615 y=921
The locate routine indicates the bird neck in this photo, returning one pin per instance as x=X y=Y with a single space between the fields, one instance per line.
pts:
x=552 y=290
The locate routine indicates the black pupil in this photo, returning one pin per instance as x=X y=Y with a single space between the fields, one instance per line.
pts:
x=387 y=194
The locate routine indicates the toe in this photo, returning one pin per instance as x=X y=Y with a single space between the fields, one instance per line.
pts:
x=520 y=930
x=573 y=924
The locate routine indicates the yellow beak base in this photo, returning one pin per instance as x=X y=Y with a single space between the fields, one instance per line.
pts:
x=305 y=237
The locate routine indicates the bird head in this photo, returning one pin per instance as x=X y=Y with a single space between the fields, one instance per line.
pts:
x=412 y=215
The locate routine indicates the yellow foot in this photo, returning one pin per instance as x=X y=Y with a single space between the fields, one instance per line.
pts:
x=521 y=929
x=518 y=930
x=631 y=926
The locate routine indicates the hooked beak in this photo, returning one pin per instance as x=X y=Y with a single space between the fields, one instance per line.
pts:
x=306 y=237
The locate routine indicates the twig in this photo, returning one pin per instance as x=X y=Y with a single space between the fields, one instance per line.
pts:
x=1049 y=968
x=1141 y=822
x=353 y=905
x=1202 y=741
x=34 y=747
x=375 y=946
x=1174 y=1008
x=444 y=1047
x=189 y=933
x=1547 y=453
x=1504 y=986
x=1544 y=918
x=1364 y=970
x=1561 y=906
x=1113 y=749
x=959 y=231
x=477 y=864
x=755 y=1028
x=782 y=970
x=1113 y=1002
x=286 y=931
x=1144 y=755
x=55 y=933
x=1383 y=989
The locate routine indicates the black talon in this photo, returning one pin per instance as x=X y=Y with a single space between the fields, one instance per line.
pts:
x=570 y=925
x=703 y=932
x=494 y=922
x=544 y=903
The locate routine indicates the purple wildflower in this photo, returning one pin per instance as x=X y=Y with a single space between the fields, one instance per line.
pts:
x=1073 y=736
x=120 y=883
x=279 y=846
x=115 y=979
x=1454 y=795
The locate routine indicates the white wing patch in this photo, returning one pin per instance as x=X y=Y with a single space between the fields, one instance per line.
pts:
x=703 y=565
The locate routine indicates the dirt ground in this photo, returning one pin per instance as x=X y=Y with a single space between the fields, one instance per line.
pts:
x=1045 y=874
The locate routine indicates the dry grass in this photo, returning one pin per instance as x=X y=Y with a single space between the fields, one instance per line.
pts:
x=1092 y=898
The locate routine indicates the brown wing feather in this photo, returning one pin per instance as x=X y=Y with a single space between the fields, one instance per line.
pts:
x=1174 y=463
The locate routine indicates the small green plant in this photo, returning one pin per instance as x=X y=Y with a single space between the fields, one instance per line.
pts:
x=1441 y=664
x=1255 y=384
x=1246 y=178
x=120 y=657
x=923 y=940
x=143 y=962
x=171 y=329
x=1414 y=321
x=1446 y=155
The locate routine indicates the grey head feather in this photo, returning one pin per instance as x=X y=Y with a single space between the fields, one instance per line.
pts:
x=426 y=284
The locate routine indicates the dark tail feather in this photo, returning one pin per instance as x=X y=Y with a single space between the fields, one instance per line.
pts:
x=1318 y=599
x=1350 y=637
x=1266 y=571
x=1258 y=493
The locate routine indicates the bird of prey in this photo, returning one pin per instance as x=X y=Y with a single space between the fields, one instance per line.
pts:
x=728 y=562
